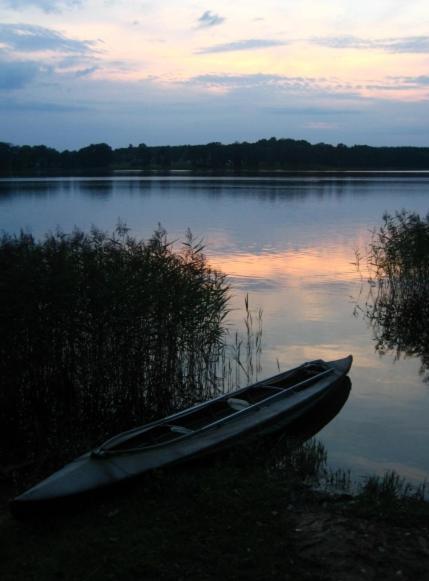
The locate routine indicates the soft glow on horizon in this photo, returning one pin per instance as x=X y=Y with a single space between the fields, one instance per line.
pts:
x=368 y=63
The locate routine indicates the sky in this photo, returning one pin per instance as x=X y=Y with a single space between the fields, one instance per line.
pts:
x=75 y=72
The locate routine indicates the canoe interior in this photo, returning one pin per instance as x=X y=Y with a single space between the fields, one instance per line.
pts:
x=229 y=405
x=298 y=375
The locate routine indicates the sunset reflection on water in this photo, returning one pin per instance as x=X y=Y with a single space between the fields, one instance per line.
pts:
x=305 y=288
x=290 y=245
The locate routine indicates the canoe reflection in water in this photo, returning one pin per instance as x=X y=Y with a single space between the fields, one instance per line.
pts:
x=285 y=450
x=317 y=418
x=261 y=409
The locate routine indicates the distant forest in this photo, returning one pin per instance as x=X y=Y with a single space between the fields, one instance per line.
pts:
x=264 y=155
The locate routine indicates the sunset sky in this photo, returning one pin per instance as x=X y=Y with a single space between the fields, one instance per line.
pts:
x=74 y=72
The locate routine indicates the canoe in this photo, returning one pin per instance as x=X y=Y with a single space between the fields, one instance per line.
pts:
x=258 y=409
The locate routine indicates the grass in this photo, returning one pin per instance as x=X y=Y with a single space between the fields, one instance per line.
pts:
x=231 y=516
x=392 y=498
x=391 y=488
x=222 y=518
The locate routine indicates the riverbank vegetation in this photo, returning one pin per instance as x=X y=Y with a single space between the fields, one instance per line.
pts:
x=264 y=155
x=398 y=303
x=240 y=515
x=101 y=332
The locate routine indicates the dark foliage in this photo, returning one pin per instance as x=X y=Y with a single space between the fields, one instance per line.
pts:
x=98 y=333
x=266 y=154
x=398 y=305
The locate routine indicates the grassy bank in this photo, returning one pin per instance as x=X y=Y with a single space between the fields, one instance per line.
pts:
x=246 y=515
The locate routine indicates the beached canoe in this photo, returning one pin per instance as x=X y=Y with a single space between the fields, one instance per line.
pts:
x=261 y=408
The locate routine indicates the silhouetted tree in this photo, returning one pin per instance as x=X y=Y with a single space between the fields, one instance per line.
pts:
x=285 y=154
x=97 y=155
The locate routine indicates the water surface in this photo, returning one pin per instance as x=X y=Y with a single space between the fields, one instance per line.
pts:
x=290 y=243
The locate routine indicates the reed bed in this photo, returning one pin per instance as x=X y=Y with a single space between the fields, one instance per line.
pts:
x=398 y=302
x=100 y=332
x=399 y=249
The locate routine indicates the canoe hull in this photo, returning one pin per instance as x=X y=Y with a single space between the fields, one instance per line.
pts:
x=92 y=471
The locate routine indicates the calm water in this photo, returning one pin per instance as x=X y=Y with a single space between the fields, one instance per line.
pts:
x=290 y=243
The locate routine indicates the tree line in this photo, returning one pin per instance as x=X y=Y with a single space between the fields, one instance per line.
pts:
x=265 y=154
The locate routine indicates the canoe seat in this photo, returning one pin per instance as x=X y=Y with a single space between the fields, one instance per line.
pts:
x=199 y=418
x=256 y=394
x=180 y=430
x=237 y=404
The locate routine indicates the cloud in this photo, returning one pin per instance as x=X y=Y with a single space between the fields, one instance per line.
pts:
x=209 y=19
x=321 y=125
x=261 y=81
x=395 y=83
x=32 y=38
x=421 y=80
x=342 y=42
x=271 y=91
x=45 y=5
x=316 y=111
x=67 y=58
x=407 y=44
x=248 y=44
x=120 y=112
x=411 y=44
x=86 y=72
x=41 y=107
x=17 y=74
x=75 y=60
x=236 y=80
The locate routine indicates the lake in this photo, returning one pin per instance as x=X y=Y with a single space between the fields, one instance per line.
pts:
x=290 y=243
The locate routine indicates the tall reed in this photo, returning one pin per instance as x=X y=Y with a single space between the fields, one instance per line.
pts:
x=240 y=360
x=100 y=332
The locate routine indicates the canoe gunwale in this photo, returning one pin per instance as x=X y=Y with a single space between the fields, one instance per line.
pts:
x=88 y=473
x=102 y=453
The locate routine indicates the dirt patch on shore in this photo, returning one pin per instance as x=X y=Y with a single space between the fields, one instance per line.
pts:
x=330 y=544
x=247 y=530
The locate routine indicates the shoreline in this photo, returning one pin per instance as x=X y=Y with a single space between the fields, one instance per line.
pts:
x=223 y=519
x=101 y=173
